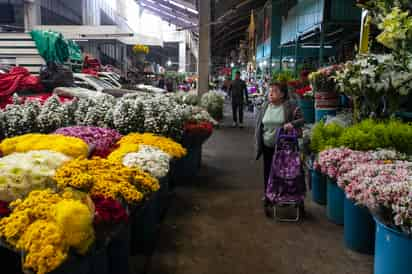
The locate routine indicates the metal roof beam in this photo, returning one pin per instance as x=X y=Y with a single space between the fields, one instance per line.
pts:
x=169 y=12
x=176 y=7
x=168 y=17
x=172 y=12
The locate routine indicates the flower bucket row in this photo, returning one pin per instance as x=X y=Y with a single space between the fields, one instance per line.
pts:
x=59 y=205
x=365 y=184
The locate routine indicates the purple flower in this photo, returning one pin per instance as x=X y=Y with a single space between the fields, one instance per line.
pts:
x=103 y=139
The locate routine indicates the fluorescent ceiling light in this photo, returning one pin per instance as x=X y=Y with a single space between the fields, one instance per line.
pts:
x=316 y=46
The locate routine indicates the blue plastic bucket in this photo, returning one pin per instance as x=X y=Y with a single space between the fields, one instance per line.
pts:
x=359 y=228
x=321 y=113
x=308 y=108
x=318 y=187
x=343 y=101
x=393 y=251
x=335 y=205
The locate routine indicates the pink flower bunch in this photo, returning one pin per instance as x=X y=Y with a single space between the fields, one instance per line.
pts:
x=376 y=184
x=329 y=161
x=365 y=184
x=103 y=139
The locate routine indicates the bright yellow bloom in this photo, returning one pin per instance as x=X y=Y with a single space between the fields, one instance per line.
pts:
x=109 y=179
x=43 y=243
x=45 y=225
x=76 y=219
x=167 y=145
x=117 y=155
x=69 y=146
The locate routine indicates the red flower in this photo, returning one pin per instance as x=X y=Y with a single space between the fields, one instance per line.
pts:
x=302 y=91
x=109 y=211
x=203 y=128
x=4 y=209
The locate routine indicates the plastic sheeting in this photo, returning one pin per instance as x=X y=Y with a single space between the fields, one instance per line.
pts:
x=54 y=48
x=51 y=46
x=19 y=78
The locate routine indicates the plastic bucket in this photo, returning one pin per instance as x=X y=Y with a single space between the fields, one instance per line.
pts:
x=335 y=205
x=344 y=101
x=321 y=113
x=318 y=187
x=359 y=228
x=308 y=108
x=187 y=167
x=393 y=251
x=144 y=228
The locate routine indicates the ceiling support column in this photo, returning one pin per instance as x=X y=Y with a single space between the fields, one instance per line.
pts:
x=32 y=14
x=204 y=46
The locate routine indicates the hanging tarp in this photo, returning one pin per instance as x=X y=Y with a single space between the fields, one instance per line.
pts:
x=75 y=52
x=51 y=46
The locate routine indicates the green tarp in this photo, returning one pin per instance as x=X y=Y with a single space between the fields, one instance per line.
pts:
x=53 y=47
x=74 y=51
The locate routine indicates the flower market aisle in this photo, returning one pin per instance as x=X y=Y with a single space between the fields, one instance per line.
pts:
x=216 y=224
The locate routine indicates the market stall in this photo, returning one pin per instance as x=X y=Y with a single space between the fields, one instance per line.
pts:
x=361 y=162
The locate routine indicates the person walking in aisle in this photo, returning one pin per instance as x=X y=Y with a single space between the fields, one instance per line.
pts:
x=276 y=113
x=239 y=95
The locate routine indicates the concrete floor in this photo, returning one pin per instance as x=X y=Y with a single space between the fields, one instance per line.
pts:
x=216 y=224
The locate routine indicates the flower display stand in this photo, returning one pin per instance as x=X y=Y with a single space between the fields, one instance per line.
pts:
x=318 y=187
x=335 y=204
x=393 y=251
x=187 y=167
x=163 y=203
x=144 y=227
x=118 y=251
x=359 y=230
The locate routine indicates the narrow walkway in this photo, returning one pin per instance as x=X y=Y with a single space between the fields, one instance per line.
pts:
x=216 y=225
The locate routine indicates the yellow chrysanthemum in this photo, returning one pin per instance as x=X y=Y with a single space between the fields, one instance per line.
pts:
x=117 y=155
x=167 y=145
x=103 y=177
x=43 y=243
x=45 y=225
x=76 y=219
x=69 y=146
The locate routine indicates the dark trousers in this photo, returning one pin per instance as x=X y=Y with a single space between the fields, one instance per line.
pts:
x=237 y=108
x=267 y=163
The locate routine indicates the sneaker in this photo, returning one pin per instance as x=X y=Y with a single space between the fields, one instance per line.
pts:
x=241 y=125
x=234 y=124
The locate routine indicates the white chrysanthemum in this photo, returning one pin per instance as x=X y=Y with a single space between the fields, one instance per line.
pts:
x=20 y=173
x=149 y=159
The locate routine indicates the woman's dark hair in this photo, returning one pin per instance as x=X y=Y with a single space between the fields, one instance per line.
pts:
x=283 y=88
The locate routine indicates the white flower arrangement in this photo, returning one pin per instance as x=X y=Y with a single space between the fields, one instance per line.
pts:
x=20 y=173
x=199 y=115
x=149 y=159
x=19 y=119
x=53 y=115
x=128 y=116
x=95 y=116
x=214 y=102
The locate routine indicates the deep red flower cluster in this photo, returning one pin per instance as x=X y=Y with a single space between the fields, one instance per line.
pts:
x=4 y=209
x=109 y=211
x=202 y=128
x=302 y=91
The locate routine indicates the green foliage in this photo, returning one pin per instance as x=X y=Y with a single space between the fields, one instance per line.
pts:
x=326 y=136
x=283 y=76
x=366 y=135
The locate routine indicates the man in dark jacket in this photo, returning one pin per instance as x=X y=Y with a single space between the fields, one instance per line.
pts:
x=239 y=95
